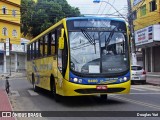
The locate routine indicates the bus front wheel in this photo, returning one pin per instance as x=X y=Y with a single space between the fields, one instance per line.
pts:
x=53 y=89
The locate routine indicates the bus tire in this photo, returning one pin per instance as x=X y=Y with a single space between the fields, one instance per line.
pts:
x=104 y=97
x=53 y=89
x=34 y=84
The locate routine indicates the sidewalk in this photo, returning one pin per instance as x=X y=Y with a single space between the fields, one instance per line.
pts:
x=13 y=75
x=5 y=104
x=153 y=78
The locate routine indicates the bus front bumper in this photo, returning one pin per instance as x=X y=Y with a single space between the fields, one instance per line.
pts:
x=73 y=89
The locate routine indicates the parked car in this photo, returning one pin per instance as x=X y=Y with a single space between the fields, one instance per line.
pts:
x=138 y=74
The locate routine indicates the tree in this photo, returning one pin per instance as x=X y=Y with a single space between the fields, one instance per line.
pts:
x=37 y=17
x=27 y=7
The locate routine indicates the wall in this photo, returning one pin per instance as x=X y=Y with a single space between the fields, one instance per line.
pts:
x=10 y=28
x=156 y=51
x=150 y=18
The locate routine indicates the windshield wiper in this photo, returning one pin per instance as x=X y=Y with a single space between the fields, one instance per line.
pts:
x=110 y=36
x=89 y=38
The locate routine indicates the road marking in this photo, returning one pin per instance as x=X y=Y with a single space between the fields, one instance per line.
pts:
x=146 y=88
x=32 y=93
x=149 y=88
x=136 y=102
x=137 y=89
x=15 y=93
x=146 y=93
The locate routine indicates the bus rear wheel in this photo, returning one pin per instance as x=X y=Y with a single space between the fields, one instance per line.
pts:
x=53 y=89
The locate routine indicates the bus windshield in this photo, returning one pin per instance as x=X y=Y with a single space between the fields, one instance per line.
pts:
x=99 y=51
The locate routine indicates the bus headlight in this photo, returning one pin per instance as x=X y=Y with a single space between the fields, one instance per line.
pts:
x=75 y=79
x=125 y=78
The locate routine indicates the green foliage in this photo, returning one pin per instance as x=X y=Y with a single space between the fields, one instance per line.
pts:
x=37 y=17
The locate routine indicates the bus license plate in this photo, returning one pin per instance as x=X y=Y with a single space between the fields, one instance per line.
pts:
x=101 y=87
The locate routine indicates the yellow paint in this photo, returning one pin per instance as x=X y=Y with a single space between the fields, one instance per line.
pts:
x=150 y=18
x=9 y=21
x=69 y=88
x=15 y=1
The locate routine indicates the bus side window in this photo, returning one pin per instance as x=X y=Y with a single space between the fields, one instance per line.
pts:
x=28 y=52
x=39 y=54
x=46 y=45
x=49 y=44
x=53 y=39
x=43 y=43
x=32 y=51
x=41 y=47
x=36 y=51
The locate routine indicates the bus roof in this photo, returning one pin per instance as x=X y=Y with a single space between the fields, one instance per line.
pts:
x=95 y=17
x=47 y=30
x=73 y=18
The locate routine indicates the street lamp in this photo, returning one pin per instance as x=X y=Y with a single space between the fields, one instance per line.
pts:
x=98 y=1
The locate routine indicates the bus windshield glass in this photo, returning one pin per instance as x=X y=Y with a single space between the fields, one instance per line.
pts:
x=98 y=48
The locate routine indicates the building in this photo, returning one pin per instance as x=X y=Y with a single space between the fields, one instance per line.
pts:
x=10 y=28
x=146 y=16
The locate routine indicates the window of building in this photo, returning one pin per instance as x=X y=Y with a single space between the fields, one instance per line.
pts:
x=143 y=10
x=14 y=33
x=153 y=5
x=4 y=10
x=134 y=15
x=4 y=31
x=14 y=13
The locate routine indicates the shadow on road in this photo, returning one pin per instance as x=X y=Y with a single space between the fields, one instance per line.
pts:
x=79 y=101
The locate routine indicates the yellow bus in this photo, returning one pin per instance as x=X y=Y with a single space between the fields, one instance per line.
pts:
x=81 y=56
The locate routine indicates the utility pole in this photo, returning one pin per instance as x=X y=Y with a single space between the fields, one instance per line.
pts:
x=8 y=50
x=132 y=37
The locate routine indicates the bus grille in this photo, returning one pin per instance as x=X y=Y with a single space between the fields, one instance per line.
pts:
x=94 y=90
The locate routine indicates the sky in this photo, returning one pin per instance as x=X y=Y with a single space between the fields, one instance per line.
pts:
x=87 y=7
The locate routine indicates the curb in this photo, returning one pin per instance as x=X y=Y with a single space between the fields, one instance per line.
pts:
x=155 y=84
x=157 y=76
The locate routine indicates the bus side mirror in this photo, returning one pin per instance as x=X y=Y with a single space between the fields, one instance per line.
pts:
x=61 y=40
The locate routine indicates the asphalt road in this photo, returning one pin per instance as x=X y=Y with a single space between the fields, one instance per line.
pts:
x=142 y=98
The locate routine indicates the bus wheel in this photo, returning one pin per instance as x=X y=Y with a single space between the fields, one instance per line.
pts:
x=33 y=83
x=104 y=97
x=53 y=89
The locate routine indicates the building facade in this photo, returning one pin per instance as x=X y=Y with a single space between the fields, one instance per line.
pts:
x=146 y=16
x=10 y=29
